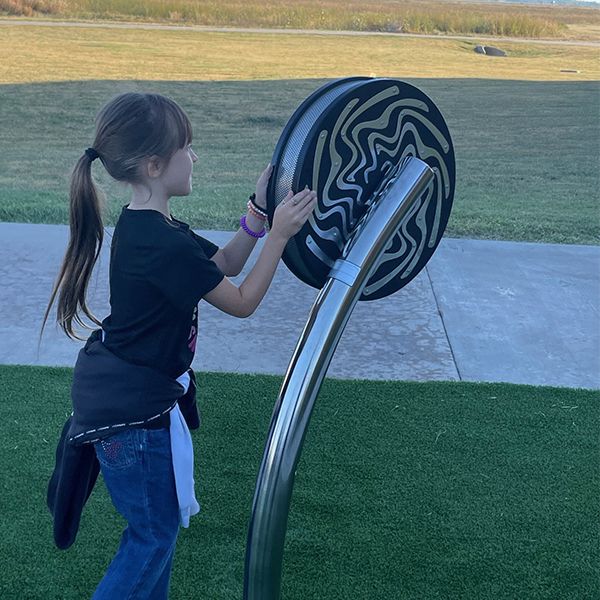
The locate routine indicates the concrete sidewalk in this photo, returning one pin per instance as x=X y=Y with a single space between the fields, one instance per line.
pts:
x=480 y=311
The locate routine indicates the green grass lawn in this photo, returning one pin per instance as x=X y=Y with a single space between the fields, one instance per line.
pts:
x=403 y=491
x=526 y=135
x=526 y=152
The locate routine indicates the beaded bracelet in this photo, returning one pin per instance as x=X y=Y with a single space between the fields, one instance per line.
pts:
x=253 y=211
x=249 y=231
x=258 y=209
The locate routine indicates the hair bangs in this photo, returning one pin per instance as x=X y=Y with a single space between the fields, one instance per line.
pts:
x=180 y=125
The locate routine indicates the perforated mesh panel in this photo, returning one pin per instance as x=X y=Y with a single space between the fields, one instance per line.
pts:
x=289 y=158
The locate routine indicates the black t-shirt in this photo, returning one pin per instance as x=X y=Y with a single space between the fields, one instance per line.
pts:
x=159 y=271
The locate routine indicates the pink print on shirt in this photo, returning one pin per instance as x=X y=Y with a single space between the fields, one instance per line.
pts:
x=193 y=332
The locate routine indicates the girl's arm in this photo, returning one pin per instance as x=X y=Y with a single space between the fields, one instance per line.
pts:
x=289 y=218
x=235 y=254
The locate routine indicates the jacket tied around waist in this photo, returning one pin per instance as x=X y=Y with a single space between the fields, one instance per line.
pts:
x=108 y=395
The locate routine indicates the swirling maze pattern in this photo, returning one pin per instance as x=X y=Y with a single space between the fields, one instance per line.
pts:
x=352 y=158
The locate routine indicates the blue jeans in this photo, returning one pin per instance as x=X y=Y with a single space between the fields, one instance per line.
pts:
x=138 y=472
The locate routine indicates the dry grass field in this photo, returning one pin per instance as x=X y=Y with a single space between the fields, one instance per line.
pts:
x=585 y=31
x=76 y=54
x=405 y=16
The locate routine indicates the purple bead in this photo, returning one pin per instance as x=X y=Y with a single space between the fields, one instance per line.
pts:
x=249 y=231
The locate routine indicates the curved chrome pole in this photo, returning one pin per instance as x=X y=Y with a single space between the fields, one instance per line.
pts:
x=306 y=371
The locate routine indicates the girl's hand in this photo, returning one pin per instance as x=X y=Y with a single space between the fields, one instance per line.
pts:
x=261 y=187
x=293 y=211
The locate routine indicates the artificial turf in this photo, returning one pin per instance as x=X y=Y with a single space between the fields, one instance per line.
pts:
x=403 y=491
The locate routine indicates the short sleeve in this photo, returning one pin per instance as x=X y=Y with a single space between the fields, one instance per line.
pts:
x=209 y=248
x=184 y=273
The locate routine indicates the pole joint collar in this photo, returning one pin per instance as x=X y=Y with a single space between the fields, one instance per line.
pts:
x=345 y=271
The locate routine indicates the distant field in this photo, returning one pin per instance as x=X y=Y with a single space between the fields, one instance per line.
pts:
x=405 y=16
x=585 y=31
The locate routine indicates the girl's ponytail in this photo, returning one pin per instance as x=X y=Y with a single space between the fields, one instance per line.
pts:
x=130 y=128
x=86 y=236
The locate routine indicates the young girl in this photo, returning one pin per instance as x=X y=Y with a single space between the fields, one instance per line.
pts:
x=140 y=360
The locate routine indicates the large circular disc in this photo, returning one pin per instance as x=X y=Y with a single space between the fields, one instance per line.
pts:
x=346 y=141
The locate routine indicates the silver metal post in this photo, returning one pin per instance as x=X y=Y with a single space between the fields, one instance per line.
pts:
x=306 y=371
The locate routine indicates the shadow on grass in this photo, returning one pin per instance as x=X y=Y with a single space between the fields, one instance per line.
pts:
x=526 y=152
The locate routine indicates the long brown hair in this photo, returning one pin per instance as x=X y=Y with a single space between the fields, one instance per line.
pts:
x=130 y=128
